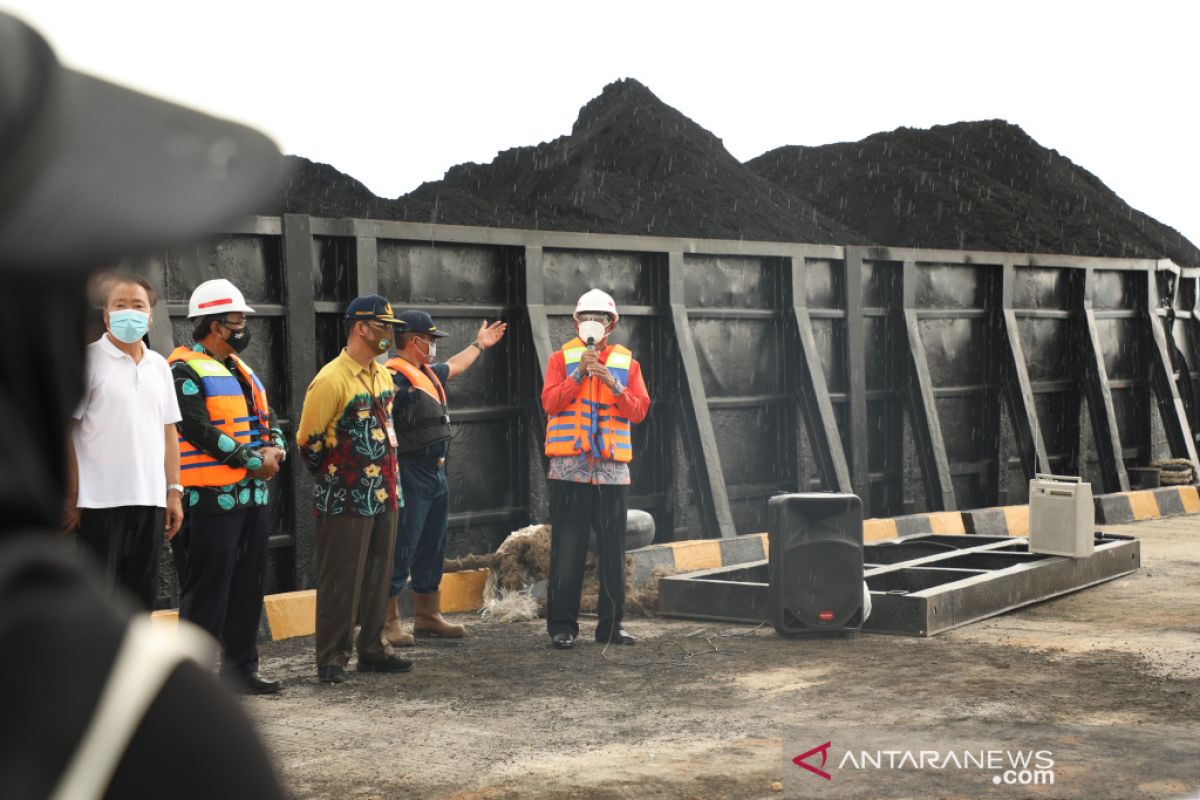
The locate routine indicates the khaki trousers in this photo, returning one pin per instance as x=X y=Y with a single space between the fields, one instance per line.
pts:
x=354 y=563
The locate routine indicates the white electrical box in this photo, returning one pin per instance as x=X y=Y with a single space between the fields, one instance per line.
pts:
x=1061 y=516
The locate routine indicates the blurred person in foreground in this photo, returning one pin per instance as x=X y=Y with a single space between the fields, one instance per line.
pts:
x=97 y=702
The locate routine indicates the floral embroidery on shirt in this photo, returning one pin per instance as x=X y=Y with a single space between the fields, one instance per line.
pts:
x=347 y=449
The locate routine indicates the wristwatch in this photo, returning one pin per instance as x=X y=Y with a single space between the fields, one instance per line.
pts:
x=477 y=346
x=177 y=487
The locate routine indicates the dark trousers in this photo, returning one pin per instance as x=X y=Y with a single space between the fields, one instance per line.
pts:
x=127 y=540
x=354 y=560
x=421 y=535
x=224 y=556
x=576 y=509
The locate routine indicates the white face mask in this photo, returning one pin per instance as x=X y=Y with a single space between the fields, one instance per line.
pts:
x=590 y=329
x=430 y=348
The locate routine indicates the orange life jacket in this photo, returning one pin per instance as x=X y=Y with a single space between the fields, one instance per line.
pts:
x=228 y=412
x=590 y=423
x=428 y=420
x=427 y=382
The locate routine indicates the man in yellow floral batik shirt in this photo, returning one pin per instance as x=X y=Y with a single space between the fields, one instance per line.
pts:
x=348 y=443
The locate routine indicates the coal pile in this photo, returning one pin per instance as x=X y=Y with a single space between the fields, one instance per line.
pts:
x=970 y=186
x=323 y=191
x=631 y=164
x=634 y=165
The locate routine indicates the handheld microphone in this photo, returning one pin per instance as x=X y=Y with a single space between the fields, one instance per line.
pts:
x=591 y=344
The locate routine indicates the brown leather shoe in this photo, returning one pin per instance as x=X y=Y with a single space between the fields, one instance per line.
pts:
x=428 y=620
x=393 y=627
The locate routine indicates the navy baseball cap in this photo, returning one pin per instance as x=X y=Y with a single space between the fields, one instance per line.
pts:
x=371 y=307
x=420 y=322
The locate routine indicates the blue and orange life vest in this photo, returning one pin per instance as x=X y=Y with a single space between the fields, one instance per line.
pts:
x=227 y=411
x=590 y=424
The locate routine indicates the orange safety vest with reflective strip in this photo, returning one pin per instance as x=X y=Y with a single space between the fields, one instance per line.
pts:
x=590 y=423
x=227 y=411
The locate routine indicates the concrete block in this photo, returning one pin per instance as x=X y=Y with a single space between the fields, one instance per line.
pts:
x=913 y=525
x=1113 y=509
x=986 y=522
x=1170 y=503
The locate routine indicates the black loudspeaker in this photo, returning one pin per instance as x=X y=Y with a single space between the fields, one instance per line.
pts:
x=816 y=584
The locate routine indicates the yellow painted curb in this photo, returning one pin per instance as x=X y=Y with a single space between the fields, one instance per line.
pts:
x=291 y=613
x=1144 y=505
x=463 y=591
x=1190 y=499
x=946 y=522
x=1016 y=519
x=697 y=554
x=875 y=530
x=295 y=613
x=165 y=617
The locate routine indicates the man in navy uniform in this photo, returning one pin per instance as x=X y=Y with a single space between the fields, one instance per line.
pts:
x=422 y=419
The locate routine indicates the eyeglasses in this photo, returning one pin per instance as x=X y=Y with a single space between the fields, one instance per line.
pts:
x=589 y=316
x=380 y=326
x=234 y=326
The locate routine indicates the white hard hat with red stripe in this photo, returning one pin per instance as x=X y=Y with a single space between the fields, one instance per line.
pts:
x=596 y=300
x=217 y=296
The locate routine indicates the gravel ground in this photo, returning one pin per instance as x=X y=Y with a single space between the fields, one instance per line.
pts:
x=698 y=710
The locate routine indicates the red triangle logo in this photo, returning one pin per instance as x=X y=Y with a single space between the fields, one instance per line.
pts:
x=824 y=751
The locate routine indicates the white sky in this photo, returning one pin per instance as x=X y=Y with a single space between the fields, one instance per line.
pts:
x=395 y=93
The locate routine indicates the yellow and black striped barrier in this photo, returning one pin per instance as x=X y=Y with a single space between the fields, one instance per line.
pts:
x=295 y=613
x=1125 y=507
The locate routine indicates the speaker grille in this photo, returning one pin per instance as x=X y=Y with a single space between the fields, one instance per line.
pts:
x=816 y=563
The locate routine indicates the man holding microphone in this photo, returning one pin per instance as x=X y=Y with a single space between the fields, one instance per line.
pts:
x=592 y=394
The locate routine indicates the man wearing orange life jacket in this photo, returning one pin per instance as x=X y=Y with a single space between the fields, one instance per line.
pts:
x=593 y=393
x=423 y=428
x=229 y=449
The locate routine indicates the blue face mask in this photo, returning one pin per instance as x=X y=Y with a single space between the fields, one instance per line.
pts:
x=128 y=325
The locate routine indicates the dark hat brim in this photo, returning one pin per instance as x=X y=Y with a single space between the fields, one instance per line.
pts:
x=124 y=173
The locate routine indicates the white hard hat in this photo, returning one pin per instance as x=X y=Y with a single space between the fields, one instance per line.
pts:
x=217 y=296
x=596 y=300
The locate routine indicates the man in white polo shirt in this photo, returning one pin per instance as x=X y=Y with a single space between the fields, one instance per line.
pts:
x=124 y=466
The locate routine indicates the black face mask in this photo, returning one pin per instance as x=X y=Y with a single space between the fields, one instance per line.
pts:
x=238 y=340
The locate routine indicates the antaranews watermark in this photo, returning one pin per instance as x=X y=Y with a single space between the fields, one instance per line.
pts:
x=983 y=759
